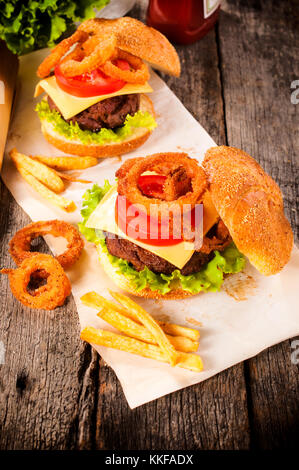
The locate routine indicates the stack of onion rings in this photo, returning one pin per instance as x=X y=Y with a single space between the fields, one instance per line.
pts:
x=93 y=50
x=48 y=296
x=19 y=246
x=164 y=164
x=94 y=54
x=128 y=176
x=59 y=51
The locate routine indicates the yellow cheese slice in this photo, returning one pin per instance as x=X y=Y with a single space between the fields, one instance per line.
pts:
x=210 y=215
x=103 y=218
x=70 y=105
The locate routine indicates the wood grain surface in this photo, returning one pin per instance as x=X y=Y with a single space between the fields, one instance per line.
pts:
x=56 y=392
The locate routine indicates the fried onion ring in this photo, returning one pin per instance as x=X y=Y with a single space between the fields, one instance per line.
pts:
x=59 y=51
x=129 y=173
x=217 y=242
x=48 y=296
x=138 y=72
x=19 y=246
x=97 y=50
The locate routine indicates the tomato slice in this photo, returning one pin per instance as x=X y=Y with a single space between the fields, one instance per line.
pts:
x=90 y=84
x=151 y=185
x=140 y=226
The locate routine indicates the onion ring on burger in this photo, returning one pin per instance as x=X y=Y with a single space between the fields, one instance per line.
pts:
x=95 y=51
x=128 y=176
x=138 y=72
x=59 y=51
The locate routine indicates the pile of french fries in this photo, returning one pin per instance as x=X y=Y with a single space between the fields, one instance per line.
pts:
x=142 y=334
x=44 y=176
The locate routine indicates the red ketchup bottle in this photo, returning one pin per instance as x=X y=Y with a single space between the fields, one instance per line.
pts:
x=183 y=21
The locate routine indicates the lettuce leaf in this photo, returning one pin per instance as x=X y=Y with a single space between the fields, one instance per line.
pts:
x=91 y=199
x=72 y=131
x=208 y=279
x=27 y=25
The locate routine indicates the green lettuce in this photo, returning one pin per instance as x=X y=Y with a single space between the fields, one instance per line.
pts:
x=72 y=131
x=208 y=279
x=27 y=25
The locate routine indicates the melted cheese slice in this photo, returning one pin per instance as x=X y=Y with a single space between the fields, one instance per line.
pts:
x=70 y=105
x=103 y=218
x=210 y=215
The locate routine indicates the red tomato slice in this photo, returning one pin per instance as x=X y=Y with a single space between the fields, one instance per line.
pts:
x=126 y=217
x=90 y=84
x=151 y=185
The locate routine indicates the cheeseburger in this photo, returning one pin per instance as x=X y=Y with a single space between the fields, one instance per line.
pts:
x=96 y=84
x=242 y=217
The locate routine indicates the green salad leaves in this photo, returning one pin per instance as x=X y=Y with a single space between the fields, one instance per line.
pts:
x=72 y=131
x=28 y=25
x=208 y=279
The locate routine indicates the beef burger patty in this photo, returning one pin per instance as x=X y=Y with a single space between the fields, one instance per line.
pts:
x=108 y=113
x=140 y=258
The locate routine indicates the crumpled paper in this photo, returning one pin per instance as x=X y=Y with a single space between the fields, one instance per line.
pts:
x=251 y=313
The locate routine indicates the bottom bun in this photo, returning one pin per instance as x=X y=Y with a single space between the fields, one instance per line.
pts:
x=124 y=283
x=76 y=147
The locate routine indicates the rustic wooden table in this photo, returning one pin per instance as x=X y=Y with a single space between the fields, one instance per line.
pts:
x=56 y=392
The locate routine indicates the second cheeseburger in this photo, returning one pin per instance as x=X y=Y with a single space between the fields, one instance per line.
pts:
x=96 y=83
x=242 y=216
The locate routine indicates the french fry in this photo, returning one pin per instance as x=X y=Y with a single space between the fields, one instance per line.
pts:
x=178 y=330
x=68 y=177
x=135 y=330
x=61 y=202
x=150 y=323
x=123 y=343
x=94 y=300
x=41 y=172
x=67 y=163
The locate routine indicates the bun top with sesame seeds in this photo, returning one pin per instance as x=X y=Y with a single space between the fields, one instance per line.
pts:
x=250 y=204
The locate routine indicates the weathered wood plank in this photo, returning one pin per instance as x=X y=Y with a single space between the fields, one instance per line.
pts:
x=259 y=46
x=46 y=399
x=211 y=415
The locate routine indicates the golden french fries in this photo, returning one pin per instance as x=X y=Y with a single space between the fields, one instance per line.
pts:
x=46 y=181
x=134 y=346
x=150 y=323
x=94 y=300
x=139 y=335
x=61 y=202
x=135 y=330
x=41 y=172
x=67 y=163
x=178 y=330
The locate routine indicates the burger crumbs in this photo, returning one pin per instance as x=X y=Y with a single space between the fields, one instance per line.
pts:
x=193 y=321
x=189 y=149
x=240 y=286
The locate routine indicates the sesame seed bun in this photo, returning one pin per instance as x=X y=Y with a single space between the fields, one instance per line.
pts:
x=250 y=204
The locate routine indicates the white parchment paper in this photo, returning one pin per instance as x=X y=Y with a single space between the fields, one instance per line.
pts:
x=231 y=330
